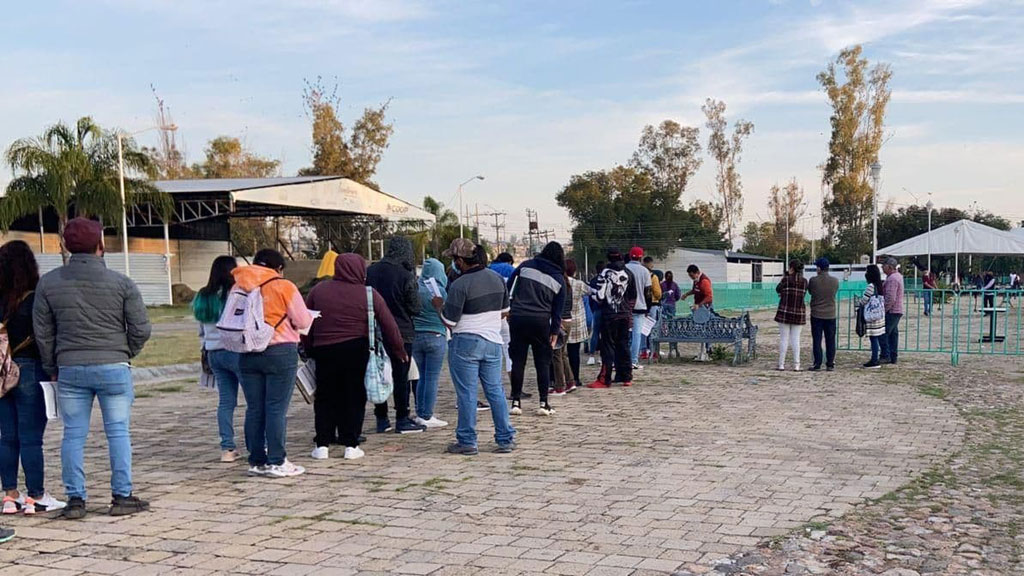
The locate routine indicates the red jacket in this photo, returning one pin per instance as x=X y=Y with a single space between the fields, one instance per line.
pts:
x=342 y=305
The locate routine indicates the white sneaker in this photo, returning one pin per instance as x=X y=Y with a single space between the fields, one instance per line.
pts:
x=796 y=368
x=259 y=470
x=545 y=410
x=434 y=422
x=637 y=367
x=285 y=470
x=320 y=453
x=516 y=408
x=591 y=361
x=354 y=453
x=48 y=503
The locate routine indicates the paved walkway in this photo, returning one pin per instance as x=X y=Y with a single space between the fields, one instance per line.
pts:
x=692 y=464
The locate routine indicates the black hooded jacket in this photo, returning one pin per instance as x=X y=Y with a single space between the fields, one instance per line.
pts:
x=395 y=279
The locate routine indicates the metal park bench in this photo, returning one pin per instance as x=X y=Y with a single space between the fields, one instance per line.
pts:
x=706 y=326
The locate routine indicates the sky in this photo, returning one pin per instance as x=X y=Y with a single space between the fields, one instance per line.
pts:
x=528 y=93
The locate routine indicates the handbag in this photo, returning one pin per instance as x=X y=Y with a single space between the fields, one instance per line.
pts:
x=874 y=310
x=10 y=373
x=206 y=377
x=305 y=380
x=379 y=381
x=862 y=324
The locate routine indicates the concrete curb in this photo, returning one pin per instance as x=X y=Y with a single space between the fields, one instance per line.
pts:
x=157 y=374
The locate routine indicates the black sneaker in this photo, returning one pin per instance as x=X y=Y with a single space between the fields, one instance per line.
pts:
x=361 y=439
x=407 y=426
x=462 y=449
x=75 y=510
x=125 y=505
x=506 y=448
x=872 y=365
x=814 y=368
x=6 y=534
x=830 y=368
x=482 y=406
x=526 y=395
x=383 y=425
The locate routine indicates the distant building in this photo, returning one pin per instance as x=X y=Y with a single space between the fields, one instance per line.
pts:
x=722 y=265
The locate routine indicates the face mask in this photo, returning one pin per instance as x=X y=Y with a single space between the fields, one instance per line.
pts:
x=455 y=269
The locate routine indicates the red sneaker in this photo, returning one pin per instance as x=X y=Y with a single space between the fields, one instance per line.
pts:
x=627 y=384
x=571 y=388
x=645 y=355
x=597 y=384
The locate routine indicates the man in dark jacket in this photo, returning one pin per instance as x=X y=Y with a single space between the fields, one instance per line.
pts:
x=395 y=279
x=538 y=296
x=89 y=322
x=616 y=293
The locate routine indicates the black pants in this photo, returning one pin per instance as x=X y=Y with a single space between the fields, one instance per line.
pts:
x=340 y=400
x=530 y=334
x=574 y=360
x=824 y=327
x=400 y=371
x=615 y=341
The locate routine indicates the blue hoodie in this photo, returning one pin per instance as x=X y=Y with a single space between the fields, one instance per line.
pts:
x=504 y=269
x=428 y=320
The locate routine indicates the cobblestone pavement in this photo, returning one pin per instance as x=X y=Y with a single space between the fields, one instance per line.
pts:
x=694 y=463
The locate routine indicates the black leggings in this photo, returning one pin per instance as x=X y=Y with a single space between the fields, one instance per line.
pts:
x=530 y=334
x=574 y=360
x=340 y=400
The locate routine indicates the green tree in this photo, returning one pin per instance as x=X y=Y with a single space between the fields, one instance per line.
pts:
x=726 y=150
x=858 y=95
x=670 y=154
x=787 y=207
x=226 y=157
x=75 y=170
x=446 y=225
x=353 y=154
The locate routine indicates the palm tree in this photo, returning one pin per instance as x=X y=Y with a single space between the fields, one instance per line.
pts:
x=446 y=224
x=76 y=166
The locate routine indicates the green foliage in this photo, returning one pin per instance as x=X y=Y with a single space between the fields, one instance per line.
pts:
x=858 y=97
x=226 y=157
x=446 y=226
x=75 y=170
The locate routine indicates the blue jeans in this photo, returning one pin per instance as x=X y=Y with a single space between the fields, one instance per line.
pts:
x=428 y=350
x=927 y=301
x=76 y=388
x=595 y=332
x=224 y=364
x=473 y=359
x=876 y=346
x=891 y=339
x=637 y=338
x=268 y=379
x=22 y=423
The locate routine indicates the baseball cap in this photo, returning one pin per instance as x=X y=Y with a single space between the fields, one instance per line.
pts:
x=822 y=263
x=82 y=235
x=636 y=252
x=460 y=248
x=890 y=261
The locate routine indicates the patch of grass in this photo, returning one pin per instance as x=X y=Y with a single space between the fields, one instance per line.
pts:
x=168 y=389
x=166 y=349
x=161 y=314
x=816 y=525
x=1006 y=479
x=933 y=391
x=143 y=395
x=720 y=353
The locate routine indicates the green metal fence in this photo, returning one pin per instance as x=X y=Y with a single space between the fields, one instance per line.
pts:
x=762 y=295
x=959 y=322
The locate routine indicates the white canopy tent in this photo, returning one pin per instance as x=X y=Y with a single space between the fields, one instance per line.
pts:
x=963 y=236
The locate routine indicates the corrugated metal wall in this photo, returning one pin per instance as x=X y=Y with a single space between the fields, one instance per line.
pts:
x=148 y=271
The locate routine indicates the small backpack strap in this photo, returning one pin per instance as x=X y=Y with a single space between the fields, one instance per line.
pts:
x=369 y=316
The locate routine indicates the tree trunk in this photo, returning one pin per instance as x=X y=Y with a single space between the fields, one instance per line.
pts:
x=61 y=223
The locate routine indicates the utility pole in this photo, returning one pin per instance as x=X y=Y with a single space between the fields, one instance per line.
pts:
x=498 y=225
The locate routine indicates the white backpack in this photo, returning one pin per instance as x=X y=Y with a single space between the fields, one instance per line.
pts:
x=243 y=328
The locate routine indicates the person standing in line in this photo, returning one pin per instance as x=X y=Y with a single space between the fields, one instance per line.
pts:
x=577 y=333
x=561 y=372
x=989 y=291
x=669 y=296
x=207 y=307
x=703 y=296
x=22 y=409
x=89 y=322
x=395 y=279
x=504 y=266
x=791 y=314
x=893 y=292
x=538 y=296
x=339 y=343
x=476 y=302
x=653 y=306
x=431 y=343
x=595 y=323
x=268 y=377
x=823 y=288
x=614 y=290
x=930 y=286
x=644 y=294
x=874 y=330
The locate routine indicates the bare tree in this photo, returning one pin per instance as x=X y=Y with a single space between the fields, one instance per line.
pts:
x=726 y=149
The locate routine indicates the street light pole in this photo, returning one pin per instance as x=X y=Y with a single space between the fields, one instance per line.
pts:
x=124 y=206
x=462 y=233
x=876 y=171
x=929 y=206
